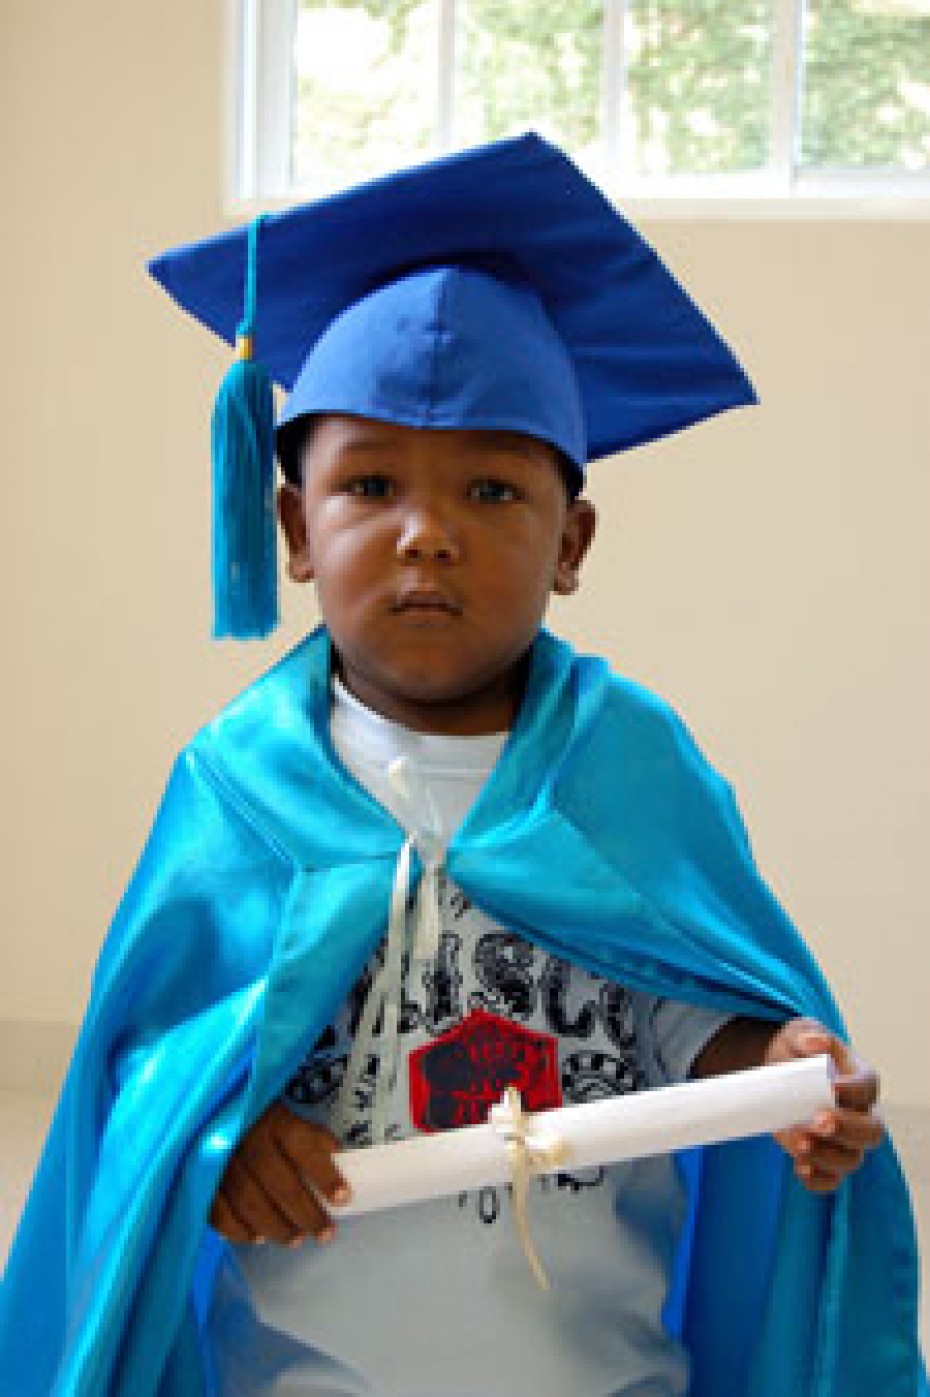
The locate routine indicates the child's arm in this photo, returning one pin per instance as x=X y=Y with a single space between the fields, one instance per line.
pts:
x=837 y=1140
x=270 y=1187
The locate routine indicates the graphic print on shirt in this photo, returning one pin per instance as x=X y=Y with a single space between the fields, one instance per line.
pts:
x=502 y=964
x=319 y=1077
x=488 y=1010
x=456 y=1080
x=443 y=982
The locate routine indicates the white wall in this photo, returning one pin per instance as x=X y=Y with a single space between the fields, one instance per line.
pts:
x=768 y=572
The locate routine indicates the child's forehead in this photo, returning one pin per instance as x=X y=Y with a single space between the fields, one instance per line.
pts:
x=335 y=435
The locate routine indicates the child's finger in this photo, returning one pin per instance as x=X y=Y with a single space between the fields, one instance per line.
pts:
x=807 y=1038
x=856 y=1085
x=310 y=1151
x=252 y=1205
x=225 y=1221
x=861 y=1130
x=285 y=1186
x=830 y=1155
x=858 y=1089
x=817 y=1180
x=834 y=1144
x=792 y=1141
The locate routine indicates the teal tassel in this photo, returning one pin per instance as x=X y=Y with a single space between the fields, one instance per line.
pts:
x=245 y=568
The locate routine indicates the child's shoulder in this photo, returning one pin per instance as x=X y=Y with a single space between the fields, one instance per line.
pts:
x=621 y=725
x=256 y=752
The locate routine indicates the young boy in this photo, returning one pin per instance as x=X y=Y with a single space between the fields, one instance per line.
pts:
x=586 y=921
x=433 y=553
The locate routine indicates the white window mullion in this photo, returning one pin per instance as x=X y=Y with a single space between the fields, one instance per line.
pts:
x=274 y=96
x=243 y=110
x=787 y=37
x=445 y=100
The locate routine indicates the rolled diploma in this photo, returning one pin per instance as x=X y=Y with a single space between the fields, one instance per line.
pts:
x=757 y=1101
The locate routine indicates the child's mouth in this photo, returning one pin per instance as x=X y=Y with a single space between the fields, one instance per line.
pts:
x=427 y=603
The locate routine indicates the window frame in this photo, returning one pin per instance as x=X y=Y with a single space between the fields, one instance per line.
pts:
x=260 y=120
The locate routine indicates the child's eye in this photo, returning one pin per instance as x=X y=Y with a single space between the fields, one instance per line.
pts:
x=493 y=490
x=369 y=487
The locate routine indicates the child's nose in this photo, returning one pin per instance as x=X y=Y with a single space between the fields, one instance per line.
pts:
x=427 y=532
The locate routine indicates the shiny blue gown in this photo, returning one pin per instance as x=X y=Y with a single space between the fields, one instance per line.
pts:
x=604 y=836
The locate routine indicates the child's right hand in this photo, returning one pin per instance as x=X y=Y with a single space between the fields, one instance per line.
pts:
x=269 y=1191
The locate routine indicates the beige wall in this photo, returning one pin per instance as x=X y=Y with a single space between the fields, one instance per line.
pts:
x=768 y=572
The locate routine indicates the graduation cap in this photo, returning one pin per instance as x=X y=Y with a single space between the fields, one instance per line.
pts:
x=496 y=288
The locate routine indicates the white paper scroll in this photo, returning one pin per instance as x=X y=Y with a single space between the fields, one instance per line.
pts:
x=755 y=1102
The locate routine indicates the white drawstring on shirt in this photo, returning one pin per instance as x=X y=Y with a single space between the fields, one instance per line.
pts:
x=529 y=1154
x=386 y=993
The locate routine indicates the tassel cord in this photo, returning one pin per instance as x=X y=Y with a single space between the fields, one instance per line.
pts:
x=246 y=328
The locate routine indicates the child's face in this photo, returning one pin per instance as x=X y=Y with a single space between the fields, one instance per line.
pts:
x=434 y=553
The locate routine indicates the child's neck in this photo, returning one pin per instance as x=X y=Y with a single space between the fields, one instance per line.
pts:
x=492 y=709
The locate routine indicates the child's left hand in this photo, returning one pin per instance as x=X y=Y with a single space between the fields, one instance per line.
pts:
x=836 y=1141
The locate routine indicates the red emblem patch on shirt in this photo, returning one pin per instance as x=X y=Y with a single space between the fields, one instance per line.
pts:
x=458 y=1078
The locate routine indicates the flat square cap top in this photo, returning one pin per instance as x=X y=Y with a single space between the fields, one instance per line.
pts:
x=646 y=361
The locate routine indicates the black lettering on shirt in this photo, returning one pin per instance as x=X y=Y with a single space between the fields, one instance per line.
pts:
x=443 y=984
x=616 y=1009
x=556 y=982
x=503 y=964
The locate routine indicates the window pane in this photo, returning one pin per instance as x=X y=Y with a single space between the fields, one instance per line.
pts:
x=698 y=85
x=529 y=65
x=866 y=84
x=366 y=88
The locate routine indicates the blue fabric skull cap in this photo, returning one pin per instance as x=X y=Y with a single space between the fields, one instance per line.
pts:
x=495 y=288
x=443 y=347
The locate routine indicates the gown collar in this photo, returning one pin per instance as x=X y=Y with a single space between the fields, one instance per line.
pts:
x=281 y=724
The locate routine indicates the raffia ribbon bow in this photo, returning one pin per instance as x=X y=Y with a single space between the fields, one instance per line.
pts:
x=529 y=1155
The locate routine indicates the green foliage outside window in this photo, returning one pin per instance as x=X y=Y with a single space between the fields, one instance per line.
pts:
x=866 y=95
x=521 y=66
x=362 y=102
x=695 y=96
x=699 y=84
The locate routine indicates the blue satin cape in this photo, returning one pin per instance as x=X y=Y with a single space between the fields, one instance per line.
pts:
x=602 y=835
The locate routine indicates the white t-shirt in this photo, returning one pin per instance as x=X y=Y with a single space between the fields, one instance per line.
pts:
x=437 y=1300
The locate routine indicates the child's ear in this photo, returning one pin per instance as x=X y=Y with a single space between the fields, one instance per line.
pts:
x=577 y=533
x=294 y=524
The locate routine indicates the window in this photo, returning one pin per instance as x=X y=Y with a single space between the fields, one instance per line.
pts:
x=734 y=99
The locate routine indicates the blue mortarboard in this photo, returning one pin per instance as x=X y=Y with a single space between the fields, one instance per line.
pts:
x=496 y=288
